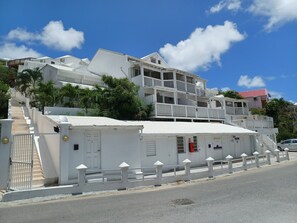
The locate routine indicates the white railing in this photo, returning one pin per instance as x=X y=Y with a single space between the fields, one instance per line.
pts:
x=181 y=86
x=152 y=82
x=237 y=110
x=176 y=111
x=191 y=88
x=253 y=124
x=169 y=83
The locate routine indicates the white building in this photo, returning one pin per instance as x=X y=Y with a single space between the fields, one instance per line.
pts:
x=102 y=144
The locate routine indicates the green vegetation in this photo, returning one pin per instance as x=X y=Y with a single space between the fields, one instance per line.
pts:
x=118 y=99
x=231 y=94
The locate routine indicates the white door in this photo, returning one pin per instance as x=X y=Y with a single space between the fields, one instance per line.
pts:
x=93 y=150
x=237 y=148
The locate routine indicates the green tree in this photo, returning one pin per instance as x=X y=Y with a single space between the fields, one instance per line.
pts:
x=87 y=99
x=120 y=100
x=27 y=80
x=231 y=94
x=45 y=95
x=7 y=75
x=4 y=96
x=70 y=95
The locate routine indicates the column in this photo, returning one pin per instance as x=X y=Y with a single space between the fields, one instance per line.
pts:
x=64 y=152
x=5 y=145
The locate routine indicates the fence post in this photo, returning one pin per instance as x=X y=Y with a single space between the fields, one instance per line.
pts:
x=159 y=167
x=210 y=166
x=5 y=147
x=268 y=157
x=244 y=156
x=229 y=159
x=256 y=154
x=287 y=153
x=81 y=177
x=124 y=173
x=187 y=164
x=277 y=155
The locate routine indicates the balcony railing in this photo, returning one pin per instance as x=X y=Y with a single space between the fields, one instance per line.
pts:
x=152 y=82
x=254 y=124
x=237 y=110
x=183 y=111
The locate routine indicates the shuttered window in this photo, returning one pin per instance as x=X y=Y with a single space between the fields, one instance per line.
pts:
x=180 y=144
x=151 y=148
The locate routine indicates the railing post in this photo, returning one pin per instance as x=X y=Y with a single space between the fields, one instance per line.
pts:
x=159 y=167
x=287 y=153
x=268 y=157
x=256 y=154
x=124 y=173
x=81 y=177
x=229 y=159
x=187 y=164
x=277 y=155
x=210 y=166
x=244 y=156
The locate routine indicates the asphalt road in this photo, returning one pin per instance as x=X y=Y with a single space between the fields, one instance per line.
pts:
x=268 y=194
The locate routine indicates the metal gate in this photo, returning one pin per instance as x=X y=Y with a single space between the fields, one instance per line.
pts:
x=21 y=162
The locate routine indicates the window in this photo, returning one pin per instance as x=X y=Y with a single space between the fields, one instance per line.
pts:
x=159 y=61
x=62 y=60
x=195 y=143
x=180 y=144
x=151 y=148
x=153 y=60
x=52 y=62
x=255 y=99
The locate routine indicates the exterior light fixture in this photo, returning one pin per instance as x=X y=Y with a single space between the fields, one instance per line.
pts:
x=65 y=138
x=5 y=140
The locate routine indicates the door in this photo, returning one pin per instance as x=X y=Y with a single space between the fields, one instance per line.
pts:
x=93 y=150
x=237 y=148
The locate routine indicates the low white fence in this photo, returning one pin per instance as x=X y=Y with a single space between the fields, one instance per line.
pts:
x=125 y=177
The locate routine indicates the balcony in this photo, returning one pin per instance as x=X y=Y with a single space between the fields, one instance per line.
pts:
x=237 y=110
x=183 y=111
x=254 y=124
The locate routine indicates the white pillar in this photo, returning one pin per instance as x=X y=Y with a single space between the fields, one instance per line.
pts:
x=277 y=155
x=287 y=153
x=256 y=154
x=124 y=172
x=187 y=164
x=244 y=156
x=229 y=159
x=81 y=177
x=5 y=145
x=159 y=167
x=210 y=167
x=64 y=152
x=268 y=157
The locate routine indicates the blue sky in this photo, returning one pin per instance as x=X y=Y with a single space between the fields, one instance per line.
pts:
x=234 y=44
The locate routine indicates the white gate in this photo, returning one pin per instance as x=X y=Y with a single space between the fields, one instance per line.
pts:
x=21 y=162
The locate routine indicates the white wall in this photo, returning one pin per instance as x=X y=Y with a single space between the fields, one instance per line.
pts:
x=110 y=63
x=165 y=151
x=117 y=146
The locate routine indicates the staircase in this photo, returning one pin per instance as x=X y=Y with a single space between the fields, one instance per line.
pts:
x=20 y=126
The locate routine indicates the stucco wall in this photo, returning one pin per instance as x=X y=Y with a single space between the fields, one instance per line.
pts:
x=117 y=146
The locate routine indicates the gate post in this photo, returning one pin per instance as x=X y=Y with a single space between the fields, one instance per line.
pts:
x=64 y=152
x=5 y=146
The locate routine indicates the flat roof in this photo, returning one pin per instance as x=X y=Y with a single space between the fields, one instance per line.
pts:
x=90 y=121
x=176 y=128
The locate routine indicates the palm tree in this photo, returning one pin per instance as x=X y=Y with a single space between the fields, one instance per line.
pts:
x=27 y=79
x=87 y=99
x=69 y=95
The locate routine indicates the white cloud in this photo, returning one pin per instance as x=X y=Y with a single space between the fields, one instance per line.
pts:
x=203 y=47
x=232 y=5
x=53 y=35
x=12 y=51
x=246 y=81
x=278 y=12
x=275 y=94
x=225 y=89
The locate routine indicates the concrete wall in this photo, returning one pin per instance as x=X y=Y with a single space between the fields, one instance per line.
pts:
x=110 y=63
x=62 y=111
x=117 y=146
x=166 y=149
